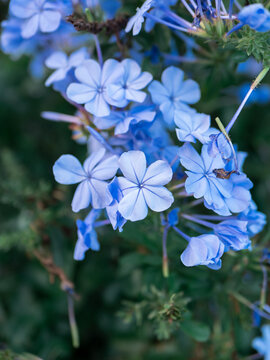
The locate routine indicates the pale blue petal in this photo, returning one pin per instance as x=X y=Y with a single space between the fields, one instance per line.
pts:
x=80 y=93
x=190 y=159
x=101 y=196
x=106 y=169
x=57 y=60
x=172 y=78
x=98 y=106
x=89 y=73
x=82 y=196
x=133 y=165
x=158 y=198
x=49 y=21
x=93 y=160
x=68 y=170
x=30 y=27
x=159 y=93
x=158 y=173
x=190 y=92
x=133 y=206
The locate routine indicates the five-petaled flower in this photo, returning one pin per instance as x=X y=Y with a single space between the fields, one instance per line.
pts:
x=174 y=93
x=143 y=187
x=37 y=15
x=92 y=188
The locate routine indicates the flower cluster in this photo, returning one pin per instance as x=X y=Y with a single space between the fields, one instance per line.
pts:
x=140 y=132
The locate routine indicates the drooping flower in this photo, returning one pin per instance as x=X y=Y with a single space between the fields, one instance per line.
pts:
x=87 y=236
x=92 y=188
x=62 y=64
x=218 y=144
x=114 y=215
x=256 y=16
x=128 y=87
x=203 y=250
x=191 y=126
x=262 y=344
x=233 y=233
x=143 y=187
x=40 y=15
x=135 y=22
x=122 y=120
x=174 y=93
x=256 y=220
x=93 y=87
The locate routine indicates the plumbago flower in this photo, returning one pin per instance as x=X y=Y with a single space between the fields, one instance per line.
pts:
x=87 y=236
x=92 y=188
x=37 y=15
x=93 y=87
x=174 y=93
x=224 y=196
x=234 y=234
x=191 y=126
x=256 y=16
x=143 y=187
x=262 y=344
x=137 y=20
x=203 y=250
x=62 y=64
x=128 y=87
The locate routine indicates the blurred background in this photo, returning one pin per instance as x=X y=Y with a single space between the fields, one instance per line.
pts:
x=121 y=288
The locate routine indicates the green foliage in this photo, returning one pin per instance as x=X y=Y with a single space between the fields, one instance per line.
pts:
x=254 y=43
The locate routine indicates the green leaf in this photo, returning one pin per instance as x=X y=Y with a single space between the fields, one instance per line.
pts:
x=197 y=330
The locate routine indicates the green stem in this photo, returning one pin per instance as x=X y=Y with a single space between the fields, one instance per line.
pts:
x=72 y=322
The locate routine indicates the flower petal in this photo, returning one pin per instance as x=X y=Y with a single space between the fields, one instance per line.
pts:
x=133 y=206
x=133 y=165
x=158 y=198
x=68 y=170
x=158 y=173
x=82 y=196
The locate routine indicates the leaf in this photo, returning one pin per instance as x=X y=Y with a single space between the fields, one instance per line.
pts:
x=197 y=330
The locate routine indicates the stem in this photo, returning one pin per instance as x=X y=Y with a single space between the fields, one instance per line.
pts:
x=188 y=8
x=198 y=221
x=200 y=7
x=72 y=322
x=178 y=19
x=54 y=116
x=230 y=8
x=100 y=139
x=214 y=217
x=178 y=186
x=152 y=17
x=180 y=232
x=99 y=53
x=246 y=302
x=256 y=82
x=194 y=203
x=165 y=266
x=264 y=287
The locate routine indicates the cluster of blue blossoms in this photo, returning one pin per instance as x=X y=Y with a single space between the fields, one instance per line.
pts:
x=129 y=122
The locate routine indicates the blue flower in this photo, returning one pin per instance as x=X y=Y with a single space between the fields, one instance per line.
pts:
x=256 y=16
x=218 y=144
x=192 y=126
x=62 y=64
x=203 y=250
x=256 y=220
x=91 y=177
x=87 y=236
x=174 y=93
x=128 y=87
x=136 y=21
x=262 y=344
x=201 y=181
x=233 y=233
x=142 y=187
x=114 y=215
x=94 y=81
x=37 y=15
x=122 y=120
